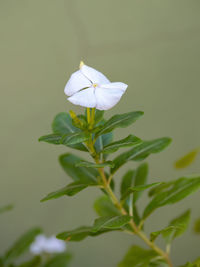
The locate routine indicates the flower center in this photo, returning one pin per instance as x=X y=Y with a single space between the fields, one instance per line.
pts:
x=94 y=85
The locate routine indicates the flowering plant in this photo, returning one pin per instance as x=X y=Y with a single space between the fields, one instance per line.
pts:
x=93 y=134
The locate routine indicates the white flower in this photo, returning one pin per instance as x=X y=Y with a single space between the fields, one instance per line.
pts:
x=43 y=244
x=89 y=88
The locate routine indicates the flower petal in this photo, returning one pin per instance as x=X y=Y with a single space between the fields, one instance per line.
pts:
x=76 y=82
x=93 y=75
x=84 y=98
x=108 y=95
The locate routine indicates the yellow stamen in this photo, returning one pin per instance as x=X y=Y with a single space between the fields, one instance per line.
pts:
x=95 y=85
x=81 y=64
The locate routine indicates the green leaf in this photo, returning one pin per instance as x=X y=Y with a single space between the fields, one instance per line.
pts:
x=83 y=175
x=22 y=244
x=110 y=222
x=180 y=225
x=160 y=188
x=94 y=165
x=127 y=181
x=98 y=115
x=137 y=257
x=104 y=207
x=69 y=190
x=140 y=179
x=74 y=138
x=141 y=151
x=102 y=141
x=119 y=121
x=51 y=139
x=35 y=262
x=6 y=208
x=75 y=235
x=130 y=140
x=178 y=190
x=59 y=260
x=137 y=189
x=186 y=160
x=62 y=124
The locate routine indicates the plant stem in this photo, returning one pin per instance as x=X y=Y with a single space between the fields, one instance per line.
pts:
x=116 y=202
x=88 y=115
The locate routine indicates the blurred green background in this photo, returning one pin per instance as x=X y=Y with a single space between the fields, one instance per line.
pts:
x=154 y=47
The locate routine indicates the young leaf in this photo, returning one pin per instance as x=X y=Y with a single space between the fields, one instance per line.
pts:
x=130 y=140
x=69 y=190
x=21 y=245
x=94 y=165
x=110 y=222
x=62 y=124
x=60 y=260
x=85 y=175
x=179 y=189
x=119 y=121
x=136 y=189
x=6 y=208
x=138 y=256
x=104 y=207
x=141 y=151
x=186 y=160
x=74 y=138
x=51 y=139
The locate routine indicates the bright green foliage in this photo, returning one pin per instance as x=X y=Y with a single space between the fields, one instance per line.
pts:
x=141 y=151
x=178 y=190
x=21 y=245
x=130 y=140
x=119 y=121
x=138 y=257
x=104 y=207
x=60 y=260
x=110 y=222
x=186 y=160
x=176 y=228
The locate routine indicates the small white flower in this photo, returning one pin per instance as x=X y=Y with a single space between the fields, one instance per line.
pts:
x=43 y=244
x=89 y=88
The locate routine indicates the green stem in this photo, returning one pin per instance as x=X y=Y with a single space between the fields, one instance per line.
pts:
x=116 y=202
x=88 y=115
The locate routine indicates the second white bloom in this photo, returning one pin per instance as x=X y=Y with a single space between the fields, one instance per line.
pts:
x=89 y=88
